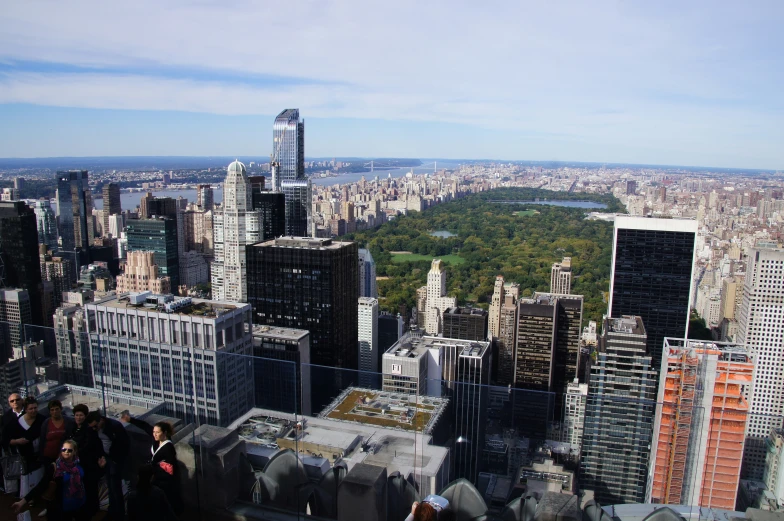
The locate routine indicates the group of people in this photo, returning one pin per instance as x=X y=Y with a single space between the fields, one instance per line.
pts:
x=64 y=460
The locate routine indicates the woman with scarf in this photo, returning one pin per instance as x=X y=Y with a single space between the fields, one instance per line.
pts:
x=62 y=488
x=164 y=463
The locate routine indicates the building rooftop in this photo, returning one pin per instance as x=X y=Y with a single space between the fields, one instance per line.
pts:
x=280 y=332
x=95 y=398
x=312 y=243
x=457 y=310
x=626 y=324
x=148 y=301
x=407 y=412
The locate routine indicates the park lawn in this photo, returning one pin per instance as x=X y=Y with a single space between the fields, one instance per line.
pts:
x=526 y=213
x=413 y=257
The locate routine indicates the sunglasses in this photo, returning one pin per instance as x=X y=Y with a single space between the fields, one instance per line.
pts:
x=67 y=451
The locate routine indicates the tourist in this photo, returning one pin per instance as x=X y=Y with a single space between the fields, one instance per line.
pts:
x=10 y=417
x=116 y=445
x=24 y=437
x=54 y=430
x=91 y=455
x=148 y=502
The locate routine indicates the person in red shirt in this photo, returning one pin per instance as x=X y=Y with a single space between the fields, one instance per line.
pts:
x=54 y=431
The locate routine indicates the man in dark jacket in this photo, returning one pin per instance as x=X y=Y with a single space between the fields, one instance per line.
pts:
x=116 y=446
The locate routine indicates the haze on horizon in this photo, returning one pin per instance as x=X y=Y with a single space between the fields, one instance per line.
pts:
x=620 y=82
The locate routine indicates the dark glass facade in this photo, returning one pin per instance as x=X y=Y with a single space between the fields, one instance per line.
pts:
x=19 y=253
x=652 y=279
x=273 y=210
x=308 y=284
x=159 y=236
x=73 y=209
x=465 y=323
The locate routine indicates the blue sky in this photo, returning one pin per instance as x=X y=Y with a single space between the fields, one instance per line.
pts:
x=607 y=81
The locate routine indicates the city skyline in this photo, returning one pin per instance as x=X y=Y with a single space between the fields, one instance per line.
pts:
x=599 y=83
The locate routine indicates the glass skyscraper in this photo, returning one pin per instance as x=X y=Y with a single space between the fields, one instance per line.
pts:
x=651 y=276
x=157 y=235
x=288 y=176
x=74 y=209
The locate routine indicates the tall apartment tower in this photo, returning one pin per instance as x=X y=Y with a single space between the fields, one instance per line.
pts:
x=205 y=197
x=761 y=328
x=19 y=257
x=368 y=341
x=701 y=417
x=288 y=175
x=575 y=400
x=367 y=274
x=494 y=314
x=619 y=414
x=177 y=349
x=507 y=342
x=158 y=235
x=308 y=283
x=111 y=204
x=652 y=275
x=46 y=222
x=436 y=301
x=73 y=345
x=74 y=208
x=561 y=277
x=236 y=225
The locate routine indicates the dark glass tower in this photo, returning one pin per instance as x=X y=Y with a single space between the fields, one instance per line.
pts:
x=111 y=204
x=288 y=173
x=465 y=323
x=19 y=253
x=74 y=210
x=272 y=206
x=308 y=284
x=651 y=276
x=158 y=235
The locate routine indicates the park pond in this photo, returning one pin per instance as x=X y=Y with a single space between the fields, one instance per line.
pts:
x=443 y=234
x=569 y=204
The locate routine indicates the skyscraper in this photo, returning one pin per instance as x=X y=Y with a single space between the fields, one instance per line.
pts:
x=158 y=235
x=761 y=328
x=652 y=275
x=111 y=204
x=311 y=284
x=46 y=222
x=236 y=226
x=15 y=312
x=271 y=207
x=465 y=323
x=470 y=395
x=73 y=345
x=281 y=365
x=74 y=208
x=507 y=341
x=435 y=300
x=561 y=277
x=19 y=253
x=141 y=274
x=368 y=342
x=288 y=171
x=367 y=274
x=619 y=414
x=205 y=197
x=700 y=424
x=59 y=271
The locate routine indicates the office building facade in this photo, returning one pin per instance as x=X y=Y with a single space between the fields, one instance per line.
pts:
x=158 y=235
x=205 y=197
x=142 y=274
x=761 y=328
x=16 y=313
x=367 y=274
x=74 y=210
x=652 y=275
x=465 y=323
x=281 y=367
x=180 y=350
x=619 y=414
x=288 y=171
x=701 y=417
x=470 y=394
x=46 y=223
x=311 y=284
x=111 y=205
x=73 y=345
x=19 y=253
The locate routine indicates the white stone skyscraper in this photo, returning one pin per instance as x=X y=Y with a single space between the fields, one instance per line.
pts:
x=235 y=225
x=761 y=328
x=561 y=277
x=436 y=299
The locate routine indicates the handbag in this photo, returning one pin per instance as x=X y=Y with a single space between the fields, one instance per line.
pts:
x=14 y=466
